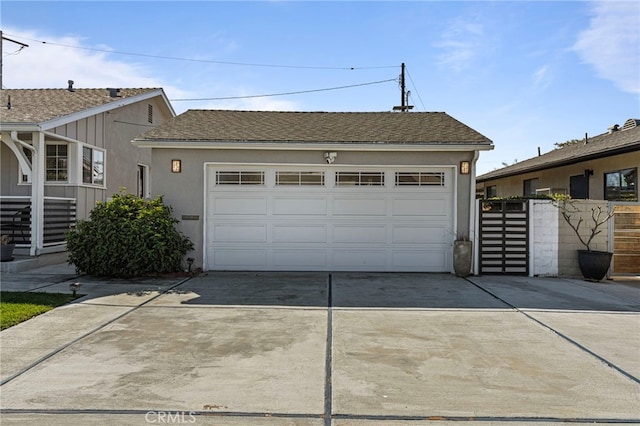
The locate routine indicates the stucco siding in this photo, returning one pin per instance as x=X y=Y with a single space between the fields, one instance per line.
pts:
x=544 y=238
x=558 y=178
x=184 y=192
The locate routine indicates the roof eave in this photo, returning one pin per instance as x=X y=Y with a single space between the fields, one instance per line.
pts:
x=79 y=115
x=20 y=127
x=560 y=163
x=350 y=146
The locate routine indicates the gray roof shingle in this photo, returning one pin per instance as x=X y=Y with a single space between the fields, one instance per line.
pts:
x=41 y=105
x=311 y=127
x=596 y=147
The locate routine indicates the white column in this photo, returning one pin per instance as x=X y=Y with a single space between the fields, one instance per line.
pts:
x=37 y=193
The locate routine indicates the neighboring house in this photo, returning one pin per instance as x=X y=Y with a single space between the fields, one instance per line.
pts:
x=372 y=191
x=603 y=167
x=63 y=150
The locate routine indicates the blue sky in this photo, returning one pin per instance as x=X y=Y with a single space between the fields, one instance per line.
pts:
x=524 y=74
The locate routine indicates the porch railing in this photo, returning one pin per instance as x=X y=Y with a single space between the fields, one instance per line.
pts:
x=15 y=219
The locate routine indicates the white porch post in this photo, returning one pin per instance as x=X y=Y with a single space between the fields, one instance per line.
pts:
x=37 y=194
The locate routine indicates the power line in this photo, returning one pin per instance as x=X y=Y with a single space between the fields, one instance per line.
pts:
x=174 y=58
x=283 y=94
x=2 y=39
x=416 y=89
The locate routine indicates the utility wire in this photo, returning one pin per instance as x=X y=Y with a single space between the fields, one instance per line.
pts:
x=282 y=94
x=416 y=89
x=173 y=58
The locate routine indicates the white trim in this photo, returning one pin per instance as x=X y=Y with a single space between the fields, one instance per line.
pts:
x=310 y=146
x=91 y=184
x=450 y=186
x=145 y=180
x=62 y=138
x=23 y=161
x=117 y=103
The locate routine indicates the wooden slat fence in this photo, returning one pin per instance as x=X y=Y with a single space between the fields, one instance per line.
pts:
x=626 y=239
x=15 y=219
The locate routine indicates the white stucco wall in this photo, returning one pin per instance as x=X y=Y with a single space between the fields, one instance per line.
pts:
x=544 y=238
x=184 y=191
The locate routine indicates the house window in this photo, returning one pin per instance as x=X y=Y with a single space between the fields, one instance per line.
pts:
x=529 y=187
x=621 y=185
x=579 y=186
x=359 y=178
x=57 y=163
x=300 y=178
x=491 y=192
x=141 y=186
x=239 y=178
x=419 y=178
x=92 y=166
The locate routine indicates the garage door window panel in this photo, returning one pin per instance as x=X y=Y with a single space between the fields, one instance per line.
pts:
x=359 y=178
x=239 y=178
x=299 y=178
x=420 y=179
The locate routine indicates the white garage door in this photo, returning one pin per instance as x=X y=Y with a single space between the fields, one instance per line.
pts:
x=328 y=218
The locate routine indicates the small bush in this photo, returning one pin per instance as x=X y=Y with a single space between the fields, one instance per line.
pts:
x=126 y=237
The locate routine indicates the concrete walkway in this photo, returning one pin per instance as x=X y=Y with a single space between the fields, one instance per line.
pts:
x=324 y=349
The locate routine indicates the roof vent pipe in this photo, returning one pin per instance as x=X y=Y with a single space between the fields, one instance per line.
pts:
x=70 y=88
x=114 y=93
x=586 y=138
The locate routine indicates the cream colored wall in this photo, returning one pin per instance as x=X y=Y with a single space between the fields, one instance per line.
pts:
x=558 y=178
x=184 y=192
x=569 y=242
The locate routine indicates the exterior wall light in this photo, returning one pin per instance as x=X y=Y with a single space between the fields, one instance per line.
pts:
x=465 y=167
x=176 y=166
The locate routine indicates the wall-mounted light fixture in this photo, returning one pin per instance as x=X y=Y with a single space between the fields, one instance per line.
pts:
x=330 y=157
x=176 y=166
x=465 y=167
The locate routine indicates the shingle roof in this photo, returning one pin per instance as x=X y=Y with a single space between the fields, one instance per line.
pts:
x=603 y=145
x=309 y=127
x=42 y=105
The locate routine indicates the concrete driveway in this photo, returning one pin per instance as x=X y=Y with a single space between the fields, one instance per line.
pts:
x=320 y=349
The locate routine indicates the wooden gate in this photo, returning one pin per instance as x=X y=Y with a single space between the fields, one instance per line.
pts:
x=504 y=237
x=626 y=239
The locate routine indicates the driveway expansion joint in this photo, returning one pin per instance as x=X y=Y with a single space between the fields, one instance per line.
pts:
x=561 y=335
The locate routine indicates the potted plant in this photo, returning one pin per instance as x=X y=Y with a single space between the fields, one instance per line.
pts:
x=7 y=249
x=462 y=255
x=593 y=264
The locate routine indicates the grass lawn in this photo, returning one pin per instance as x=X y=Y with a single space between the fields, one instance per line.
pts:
x=16 y=307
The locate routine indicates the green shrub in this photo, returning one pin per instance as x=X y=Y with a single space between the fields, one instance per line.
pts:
x=128 y=236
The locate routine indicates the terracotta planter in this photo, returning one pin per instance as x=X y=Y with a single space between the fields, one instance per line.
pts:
x=6 y=253
x=594 y=264
x=462 y=257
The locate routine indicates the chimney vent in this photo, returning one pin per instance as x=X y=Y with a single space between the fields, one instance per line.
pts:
x=114 y=93
x=70 y=88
